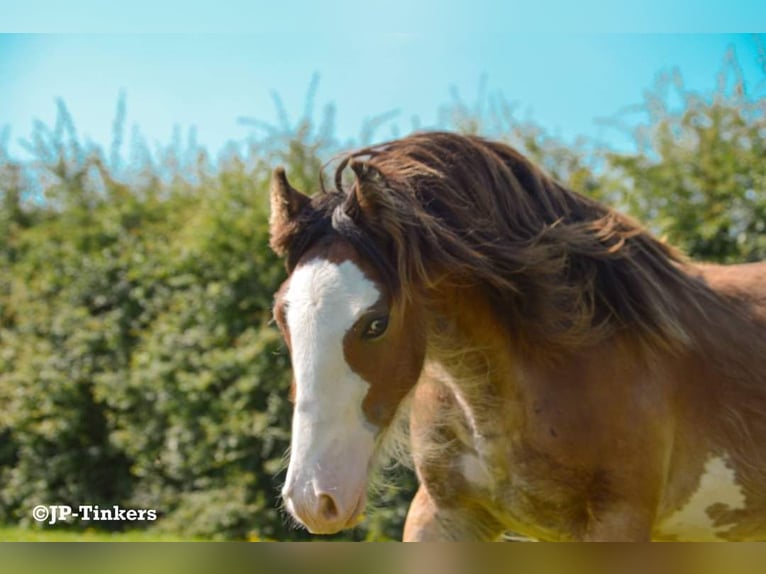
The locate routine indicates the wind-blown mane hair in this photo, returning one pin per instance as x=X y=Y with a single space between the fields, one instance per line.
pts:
x=452 y=211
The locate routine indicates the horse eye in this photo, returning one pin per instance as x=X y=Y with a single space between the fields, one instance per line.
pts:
x=376 y=327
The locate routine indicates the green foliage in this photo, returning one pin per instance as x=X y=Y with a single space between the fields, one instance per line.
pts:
x=701 y=177
x=138 y=363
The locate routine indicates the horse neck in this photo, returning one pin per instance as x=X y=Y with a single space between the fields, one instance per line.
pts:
x=728 y=330
x=474 y=350
x=470 y=351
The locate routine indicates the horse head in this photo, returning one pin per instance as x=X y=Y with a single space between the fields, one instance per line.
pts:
x=357 y=347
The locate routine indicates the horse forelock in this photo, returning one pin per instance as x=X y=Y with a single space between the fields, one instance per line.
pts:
x=326 y=221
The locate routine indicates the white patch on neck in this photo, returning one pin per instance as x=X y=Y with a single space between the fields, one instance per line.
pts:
x=324 y=300
x=474 y=471
x=718 y=485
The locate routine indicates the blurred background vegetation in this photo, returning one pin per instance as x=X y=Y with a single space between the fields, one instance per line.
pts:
x=138 y=362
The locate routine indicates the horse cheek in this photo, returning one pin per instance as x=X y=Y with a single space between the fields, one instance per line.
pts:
x=391 y=368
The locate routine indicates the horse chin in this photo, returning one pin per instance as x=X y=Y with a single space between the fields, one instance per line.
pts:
x=358 y=514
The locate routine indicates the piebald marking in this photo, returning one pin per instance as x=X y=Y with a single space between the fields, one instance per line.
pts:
x=718 y=485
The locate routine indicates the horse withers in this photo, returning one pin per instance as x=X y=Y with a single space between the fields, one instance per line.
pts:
x=564 y=374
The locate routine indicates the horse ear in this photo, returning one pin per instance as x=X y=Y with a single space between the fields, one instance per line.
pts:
x=369 y=195
x=286 y=203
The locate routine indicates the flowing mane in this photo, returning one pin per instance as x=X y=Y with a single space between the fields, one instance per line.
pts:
x=467 y=211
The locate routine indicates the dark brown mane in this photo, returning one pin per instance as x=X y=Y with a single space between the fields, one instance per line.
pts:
x=464 y=211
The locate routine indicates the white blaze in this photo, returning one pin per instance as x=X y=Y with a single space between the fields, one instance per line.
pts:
x=331 y=439
x=718 y=484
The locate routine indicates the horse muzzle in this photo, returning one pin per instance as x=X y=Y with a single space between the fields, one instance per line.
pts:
x=325 y=510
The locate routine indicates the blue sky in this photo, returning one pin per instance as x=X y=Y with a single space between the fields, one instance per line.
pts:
x=565 y=81
x=451 y=18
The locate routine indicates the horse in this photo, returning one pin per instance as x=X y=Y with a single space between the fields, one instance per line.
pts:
x=555 y=369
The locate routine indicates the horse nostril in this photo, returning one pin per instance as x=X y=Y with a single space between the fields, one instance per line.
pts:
x=327 y=507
